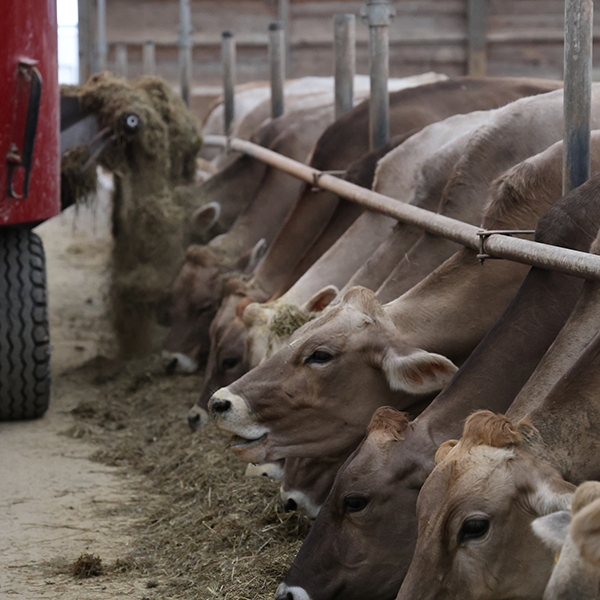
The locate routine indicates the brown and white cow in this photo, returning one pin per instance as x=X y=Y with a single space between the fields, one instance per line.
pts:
x=320 y=216
x=575 y=538
x=446 y=314
x=347 y=552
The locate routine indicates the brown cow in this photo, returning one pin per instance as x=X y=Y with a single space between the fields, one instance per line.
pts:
x=524 y=463
x=315 y=219
x=446 y=314
x=356 y=554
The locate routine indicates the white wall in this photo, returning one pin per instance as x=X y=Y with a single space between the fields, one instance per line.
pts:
x=68 y=47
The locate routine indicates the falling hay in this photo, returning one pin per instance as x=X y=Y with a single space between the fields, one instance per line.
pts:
x=154 y=163
x=76 y=183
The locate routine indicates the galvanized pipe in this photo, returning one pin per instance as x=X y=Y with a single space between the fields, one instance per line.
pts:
x=277 y=64
x=564 y=260
x=121 y=60
x=378 y=15
x=579 y=15
x=344 y=33
x=149 y=58
x=476 y=36
x=283 y=15
x=228 y=62
x=185 y=49
x=101 y=51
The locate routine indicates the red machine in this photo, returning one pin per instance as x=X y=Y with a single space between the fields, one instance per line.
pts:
x=29 y=176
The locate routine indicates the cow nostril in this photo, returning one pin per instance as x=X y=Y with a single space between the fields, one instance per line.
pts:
x=194 y=421
x=289 y=596
x=290 y=505
x=220 y=406
x=170 y=366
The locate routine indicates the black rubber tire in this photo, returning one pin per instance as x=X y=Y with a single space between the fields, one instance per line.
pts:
x=24 y=330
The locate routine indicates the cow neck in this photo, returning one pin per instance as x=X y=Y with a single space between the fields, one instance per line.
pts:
x=451 y=310
x=573 y=339
x=568 y=420
x=506 y=357
x=307 y=220
x=501 y=364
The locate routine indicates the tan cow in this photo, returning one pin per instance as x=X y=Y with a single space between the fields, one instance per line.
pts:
x=575 y=538
x=446 y=314
x=356 y=552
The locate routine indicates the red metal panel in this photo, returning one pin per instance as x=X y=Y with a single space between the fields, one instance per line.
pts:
x=28 y=36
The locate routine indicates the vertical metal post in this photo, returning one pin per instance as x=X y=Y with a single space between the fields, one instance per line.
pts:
x=578 y=92
x=121 y=59
x=101 y=50
x=228 y=60
x=476 y=34
x=378 y=15
x=185 y=49
x=344 y=29
x=283 y=15
x=85 y=37
x=149 y=58
x=277 y=64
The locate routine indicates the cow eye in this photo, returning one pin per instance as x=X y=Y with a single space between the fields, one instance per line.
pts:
x=229 y=363
x=318 y=357
x=355 y=503
x=473 y=529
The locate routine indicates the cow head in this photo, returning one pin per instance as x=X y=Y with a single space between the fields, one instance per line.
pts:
x=475 y=513
x=242 y=328
x=197 y=291
x=316 y=396
x=366 y=528
x=307 y=481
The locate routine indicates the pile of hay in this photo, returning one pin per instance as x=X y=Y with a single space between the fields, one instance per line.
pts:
x=206 y=531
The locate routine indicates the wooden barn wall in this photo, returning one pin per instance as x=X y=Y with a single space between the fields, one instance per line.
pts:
x=524 y=37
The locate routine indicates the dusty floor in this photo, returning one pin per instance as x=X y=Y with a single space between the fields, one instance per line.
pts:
x=169 y=514
x=52 y=497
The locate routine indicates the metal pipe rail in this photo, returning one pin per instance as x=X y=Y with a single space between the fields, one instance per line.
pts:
x=545 y=256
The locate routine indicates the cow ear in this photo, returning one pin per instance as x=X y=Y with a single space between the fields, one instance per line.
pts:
x=444 y=450
x=321 y=300
x=206 y=217
x=419 y=372
x=252 y=314
x=248 y=262
x=585 y=531
x=553 y=529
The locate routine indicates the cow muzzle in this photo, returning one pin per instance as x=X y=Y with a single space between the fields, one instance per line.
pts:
x=285 y=592
x=296 y=500
x=197 y=417
x=176 y=362
x=232 y=415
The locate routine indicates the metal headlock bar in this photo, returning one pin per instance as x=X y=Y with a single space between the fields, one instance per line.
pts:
x=492 y=244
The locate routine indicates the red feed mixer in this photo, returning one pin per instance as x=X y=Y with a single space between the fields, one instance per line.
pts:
x=29 y=179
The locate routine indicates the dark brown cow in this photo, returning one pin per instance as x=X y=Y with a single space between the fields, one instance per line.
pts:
x=362 y=542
